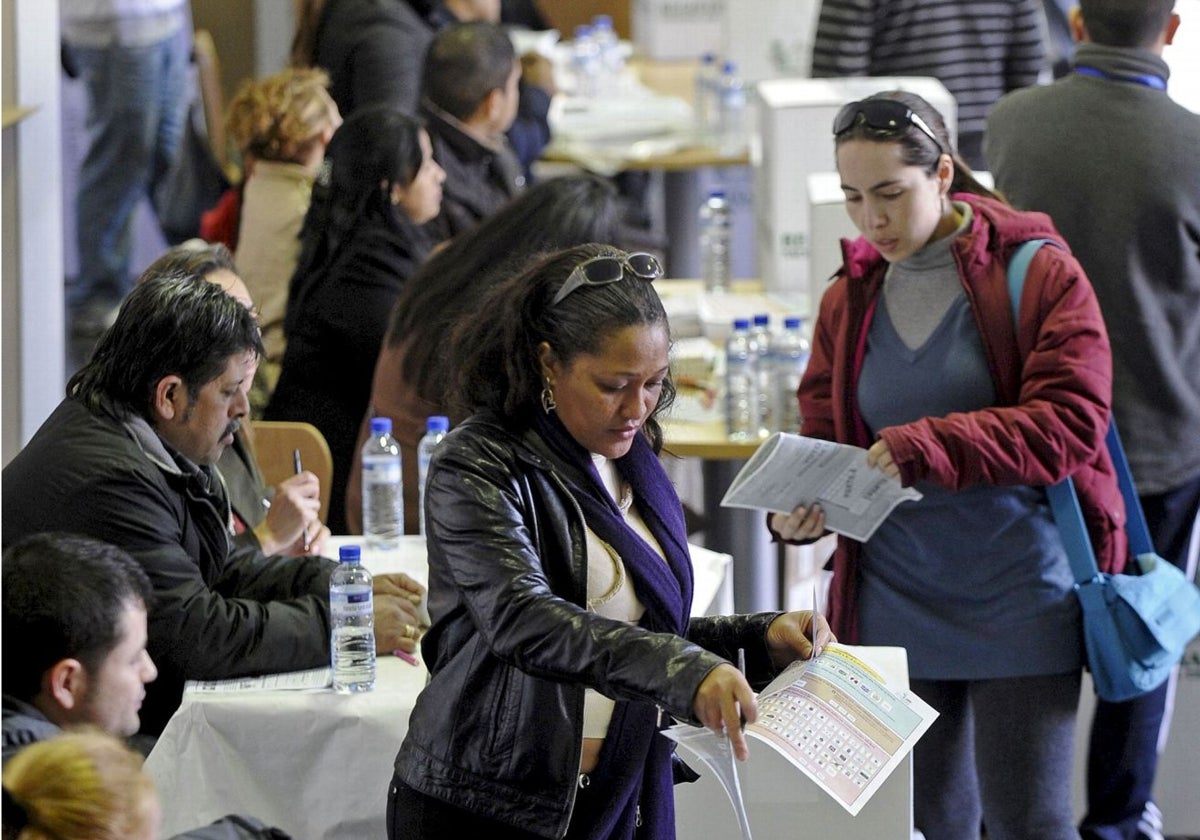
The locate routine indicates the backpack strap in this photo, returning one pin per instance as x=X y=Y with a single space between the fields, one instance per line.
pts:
x=1018 y=267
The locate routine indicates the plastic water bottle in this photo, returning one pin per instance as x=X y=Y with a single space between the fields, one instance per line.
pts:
x=715 y=242
x=760 y=337
x=352 y=617
x=790 y=351
x=608 y=54
x=705 y=107
x=585 y=62
x=382 y=488
x=741 y=383
x=435 y=429
x=731 y=111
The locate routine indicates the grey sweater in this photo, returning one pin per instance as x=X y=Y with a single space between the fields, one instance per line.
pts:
x=1116 y=165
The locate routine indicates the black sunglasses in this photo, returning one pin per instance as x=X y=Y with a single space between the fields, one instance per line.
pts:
x=882 y=115
x=600 y=271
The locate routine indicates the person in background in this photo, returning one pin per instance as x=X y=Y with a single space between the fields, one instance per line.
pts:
x=83 y=785
x=413 y=372
x=469 y=99
x=132 y=57
x=1119 y=173
x=282 y=123
x=915 y=359
x=284 y=519
x=363 y=238
x=979 y=51
x=373 y=50
x=560 y=579
x=128 y=458
x=74 y=630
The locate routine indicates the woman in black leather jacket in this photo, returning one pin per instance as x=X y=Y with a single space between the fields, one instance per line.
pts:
x=559 y=577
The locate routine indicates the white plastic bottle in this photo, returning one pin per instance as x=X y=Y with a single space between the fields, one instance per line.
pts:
x=705 y=104
x=715 y=240
x=741 y=383
x=760 y=336
x=585 y=62
x=382 y=488
x=731 y=111
x=435 y=429
x=790 y=352
x=608 y=55
x=352 y=623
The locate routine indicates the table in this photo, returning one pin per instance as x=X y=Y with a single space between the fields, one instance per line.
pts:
x=315 y=763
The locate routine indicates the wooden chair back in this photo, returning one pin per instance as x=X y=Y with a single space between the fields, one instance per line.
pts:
x=275 y=444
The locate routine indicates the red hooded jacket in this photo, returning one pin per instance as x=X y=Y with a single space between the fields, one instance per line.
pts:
x=1053 y=380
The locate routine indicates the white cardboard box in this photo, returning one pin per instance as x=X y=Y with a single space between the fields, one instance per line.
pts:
x=771 y=39
x=666 y=30
x=795 y=138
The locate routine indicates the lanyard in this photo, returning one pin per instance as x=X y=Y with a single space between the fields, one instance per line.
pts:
x=1147 y=79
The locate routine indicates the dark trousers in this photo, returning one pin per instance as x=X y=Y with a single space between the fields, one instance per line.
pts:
x=1123 y=750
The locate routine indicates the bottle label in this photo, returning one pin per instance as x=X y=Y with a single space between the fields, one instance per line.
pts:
x=351 y=604
x=381 y=472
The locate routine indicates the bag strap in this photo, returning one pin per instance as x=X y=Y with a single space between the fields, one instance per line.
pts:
x=1064 y=501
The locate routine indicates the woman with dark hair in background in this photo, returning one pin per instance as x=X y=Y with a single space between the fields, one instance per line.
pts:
x=414 y=371
x=362 y=240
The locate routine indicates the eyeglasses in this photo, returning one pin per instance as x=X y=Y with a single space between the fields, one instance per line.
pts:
x=600 y=271
x=882 y=115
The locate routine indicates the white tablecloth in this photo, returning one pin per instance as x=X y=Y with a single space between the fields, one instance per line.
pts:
x=315 y=763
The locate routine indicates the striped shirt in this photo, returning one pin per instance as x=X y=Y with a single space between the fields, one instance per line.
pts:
x=979 y=49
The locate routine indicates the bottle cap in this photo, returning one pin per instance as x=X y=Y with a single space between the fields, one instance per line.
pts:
x=381 y=425
x=741 y=323
x=716 y=193
x=349 y=554
x=709 y=57
x=437 y=423
x=792 y=322
x=761 y=320
x=729 y=68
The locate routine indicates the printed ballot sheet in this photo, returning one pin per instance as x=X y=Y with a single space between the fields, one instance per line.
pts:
x=789 y=470
x=834 y=718
x=310 y=680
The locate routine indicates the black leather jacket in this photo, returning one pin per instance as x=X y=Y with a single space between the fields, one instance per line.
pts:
x=499 y=728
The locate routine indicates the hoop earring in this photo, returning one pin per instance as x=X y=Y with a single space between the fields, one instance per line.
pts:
x=548 y=403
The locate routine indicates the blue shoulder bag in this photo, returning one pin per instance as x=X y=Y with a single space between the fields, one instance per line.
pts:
x=1135 y=626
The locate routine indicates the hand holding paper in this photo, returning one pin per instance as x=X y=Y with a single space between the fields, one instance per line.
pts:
x=789 y=471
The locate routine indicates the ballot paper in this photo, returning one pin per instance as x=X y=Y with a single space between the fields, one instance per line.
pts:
x=788 y=470
x=834 y=718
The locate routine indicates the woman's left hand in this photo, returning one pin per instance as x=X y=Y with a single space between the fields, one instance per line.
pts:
x=790 y=637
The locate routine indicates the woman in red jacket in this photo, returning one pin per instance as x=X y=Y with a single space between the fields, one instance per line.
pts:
x=915 y=357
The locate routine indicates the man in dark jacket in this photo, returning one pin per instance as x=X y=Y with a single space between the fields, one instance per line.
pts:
x=469 y=100
x=128 y=458
x=74 y=619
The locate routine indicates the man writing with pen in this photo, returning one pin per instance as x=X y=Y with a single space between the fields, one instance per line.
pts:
x=128 y=457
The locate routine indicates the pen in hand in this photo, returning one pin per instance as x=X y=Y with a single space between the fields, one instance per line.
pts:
x=299 y=469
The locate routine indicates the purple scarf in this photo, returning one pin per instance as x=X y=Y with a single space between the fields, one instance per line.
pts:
x=635 y=762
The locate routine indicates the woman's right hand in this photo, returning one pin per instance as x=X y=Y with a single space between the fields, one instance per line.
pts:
x=724 y=702
x=803 y=523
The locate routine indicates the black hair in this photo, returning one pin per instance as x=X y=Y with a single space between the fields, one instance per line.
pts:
x=171 y=324
x=497 y=359
x=552 y=214
x=917 y=148
x=194 y=256
x=63 y=596
x=465 y=63
x=1125 y=23
x=376 y=148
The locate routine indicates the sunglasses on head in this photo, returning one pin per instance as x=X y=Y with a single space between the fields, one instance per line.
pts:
x=882 y=115
x=600 y=271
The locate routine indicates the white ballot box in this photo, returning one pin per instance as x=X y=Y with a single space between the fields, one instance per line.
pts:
x=771 y=39
x=782 y=803
x=795 y=130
